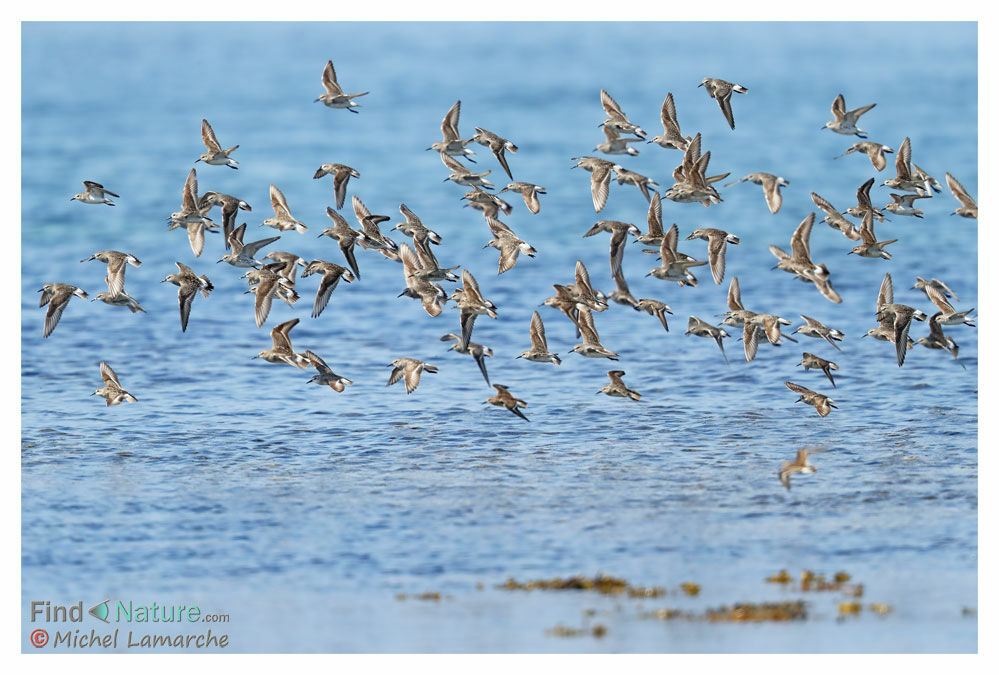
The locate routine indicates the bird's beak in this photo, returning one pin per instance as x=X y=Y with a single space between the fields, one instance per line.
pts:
x=701 y=84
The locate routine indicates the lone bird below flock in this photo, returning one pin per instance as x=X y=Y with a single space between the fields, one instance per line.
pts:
x=799 y=465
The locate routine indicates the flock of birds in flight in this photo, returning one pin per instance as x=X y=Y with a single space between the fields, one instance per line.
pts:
x=578 y=300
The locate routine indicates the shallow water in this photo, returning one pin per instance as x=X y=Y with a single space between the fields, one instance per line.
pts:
x=302 y=513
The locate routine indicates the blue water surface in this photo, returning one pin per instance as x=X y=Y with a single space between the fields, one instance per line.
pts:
x=302 y=513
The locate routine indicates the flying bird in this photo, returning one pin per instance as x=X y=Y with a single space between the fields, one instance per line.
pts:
x=334 y=96
x=112 y=391
x=721 y=91
x=215 y=156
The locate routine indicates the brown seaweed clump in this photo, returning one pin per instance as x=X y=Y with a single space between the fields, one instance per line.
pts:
x=563 y=631
x=600 y=583
x=690 y=588
x=766 y=611
x=810 y=581
x=598 y=631
x=781 y=577
x=646 y=592
x=667 y=614
x=430 y=595
x=745 y=612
